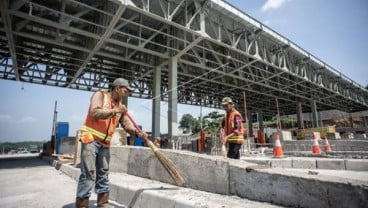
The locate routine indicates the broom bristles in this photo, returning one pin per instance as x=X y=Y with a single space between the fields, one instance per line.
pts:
x=168 y=165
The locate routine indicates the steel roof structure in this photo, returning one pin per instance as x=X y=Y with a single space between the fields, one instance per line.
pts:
x=220 y=51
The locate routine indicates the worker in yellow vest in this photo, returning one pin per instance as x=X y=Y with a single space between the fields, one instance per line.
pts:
x=104 y=114
x=233 y=128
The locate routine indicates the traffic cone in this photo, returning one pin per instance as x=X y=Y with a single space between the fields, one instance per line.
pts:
x=277 y=148
x=327 y=145
x=315 y=148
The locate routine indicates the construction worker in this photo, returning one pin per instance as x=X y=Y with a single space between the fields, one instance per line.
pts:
x=104 y=114
x=233 y=128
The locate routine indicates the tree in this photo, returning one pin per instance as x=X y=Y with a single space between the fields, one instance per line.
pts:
x=188 y=123
x=366 y=87
x=211 y=121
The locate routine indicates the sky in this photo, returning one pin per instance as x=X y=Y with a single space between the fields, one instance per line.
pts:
x=334 y=31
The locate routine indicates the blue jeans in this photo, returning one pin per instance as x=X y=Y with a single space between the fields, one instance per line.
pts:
x=95 y=161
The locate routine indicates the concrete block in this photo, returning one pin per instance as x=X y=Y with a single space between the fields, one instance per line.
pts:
x=260 y=161
x=334 y=164
x=304 y=163
x=119 y=158
x=281 y=163
x=143 y=163
x=203 y=172
x=275 y=188
x=357 y=165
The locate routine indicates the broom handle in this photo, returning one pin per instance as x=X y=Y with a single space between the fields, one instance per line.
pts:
x=136 y=126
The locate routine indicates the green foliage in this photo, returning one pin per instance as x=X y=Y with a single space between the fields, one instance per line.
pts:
x=285 y=123
x=188 y=123
x=211 y=122
x=29 y=145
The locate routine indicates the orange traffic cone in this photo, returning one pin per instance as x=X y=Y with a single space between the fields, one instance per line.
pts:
x=327 y=145
x=277 y=148
x=315 y=148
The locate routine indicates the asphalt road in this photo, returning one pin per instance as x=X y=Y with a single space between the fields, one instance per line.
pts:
x=31 y=182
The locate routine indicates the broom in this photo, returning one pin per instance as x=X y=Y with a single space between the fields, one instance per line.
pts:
x=166 y=162
x=223 y=148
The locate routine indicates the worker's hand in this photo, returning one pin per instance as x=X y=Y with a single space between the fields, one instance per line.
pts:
x=121 y=109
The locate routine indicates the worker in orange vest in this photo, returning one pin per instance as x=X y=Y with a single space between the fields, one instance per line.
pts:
x=105 y=112
x=233 y=128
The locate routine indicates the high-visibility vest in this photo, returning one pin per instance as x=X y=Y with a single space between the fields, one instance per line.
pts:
x=229 y=121
x=101 y=129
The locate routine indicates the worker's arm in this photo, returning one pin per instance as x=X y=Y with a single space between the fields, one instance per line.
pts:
x=238 y=125
x=130 y=128
x=96 y=108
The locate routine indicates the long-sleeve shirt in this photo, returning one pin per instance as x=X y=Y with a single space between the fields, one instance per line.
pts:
x=98 y=112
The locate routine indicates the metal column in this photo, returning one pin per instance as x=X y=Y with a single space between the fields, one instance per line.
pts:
x=314 y=114
x=173 y=98
x=299 y=115
x=156 y=102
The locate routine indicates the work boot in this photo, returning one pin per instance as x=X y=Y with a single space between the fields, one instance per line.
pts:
x=81 y=202
x=103 y=200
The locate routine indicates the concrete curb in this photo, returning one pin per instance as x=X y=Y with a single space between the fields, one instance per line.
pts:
x=243 y=179
x=140 y=192
x=312 y=163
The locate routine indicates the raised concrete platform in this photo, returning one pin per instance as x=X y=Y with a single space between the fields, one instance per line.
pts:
x=336 y=145
x=243 y=179
x=136 y=192
x=311 y=163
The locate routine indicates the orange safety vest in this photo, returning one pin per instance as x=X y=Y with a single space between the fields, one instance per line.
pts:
x=99 y=129
x=229 y=121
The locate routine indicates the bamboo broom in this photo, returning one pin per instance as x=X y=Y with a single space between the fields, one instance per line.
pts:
x=166 y=162
x=223 y=147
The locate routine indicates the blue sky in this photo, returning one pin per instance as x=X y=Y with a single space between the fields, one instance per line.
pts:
x=335 y=31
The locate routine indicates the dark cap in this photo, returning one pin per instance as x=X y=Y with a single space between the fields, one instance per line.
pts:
x=121 y=82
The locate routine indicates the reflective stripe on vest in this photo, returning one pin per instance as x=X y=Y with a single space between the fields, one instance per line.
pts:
x=236 y=139
x=97 y=134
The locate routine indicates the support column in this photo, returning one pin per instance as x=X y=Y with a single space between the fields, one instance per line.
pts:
x=250 y=124
x=351 y=120
x=260 y=121
x=365 y=122
x=299 y=115
x=173 y=98
x=156 y=102
x=319 y=121
x=314 y=114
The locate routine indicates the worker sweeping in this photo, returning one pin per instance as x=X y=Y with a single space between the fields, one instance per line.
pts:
x=104 y=113
x=233 y=128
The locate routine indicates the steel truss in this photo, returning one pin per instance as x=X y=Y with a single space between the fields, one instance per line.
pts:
x=86 y=44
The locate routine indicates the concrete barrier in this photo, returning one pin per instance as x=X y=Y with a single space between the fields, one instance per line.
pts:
x=226 y=176
x=336 y=145
x=312 y=163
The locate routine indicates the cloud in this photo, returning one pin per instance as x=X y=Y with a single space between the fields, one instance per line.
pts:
x=28 y=119
x=272 y=4
x=4 y=118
